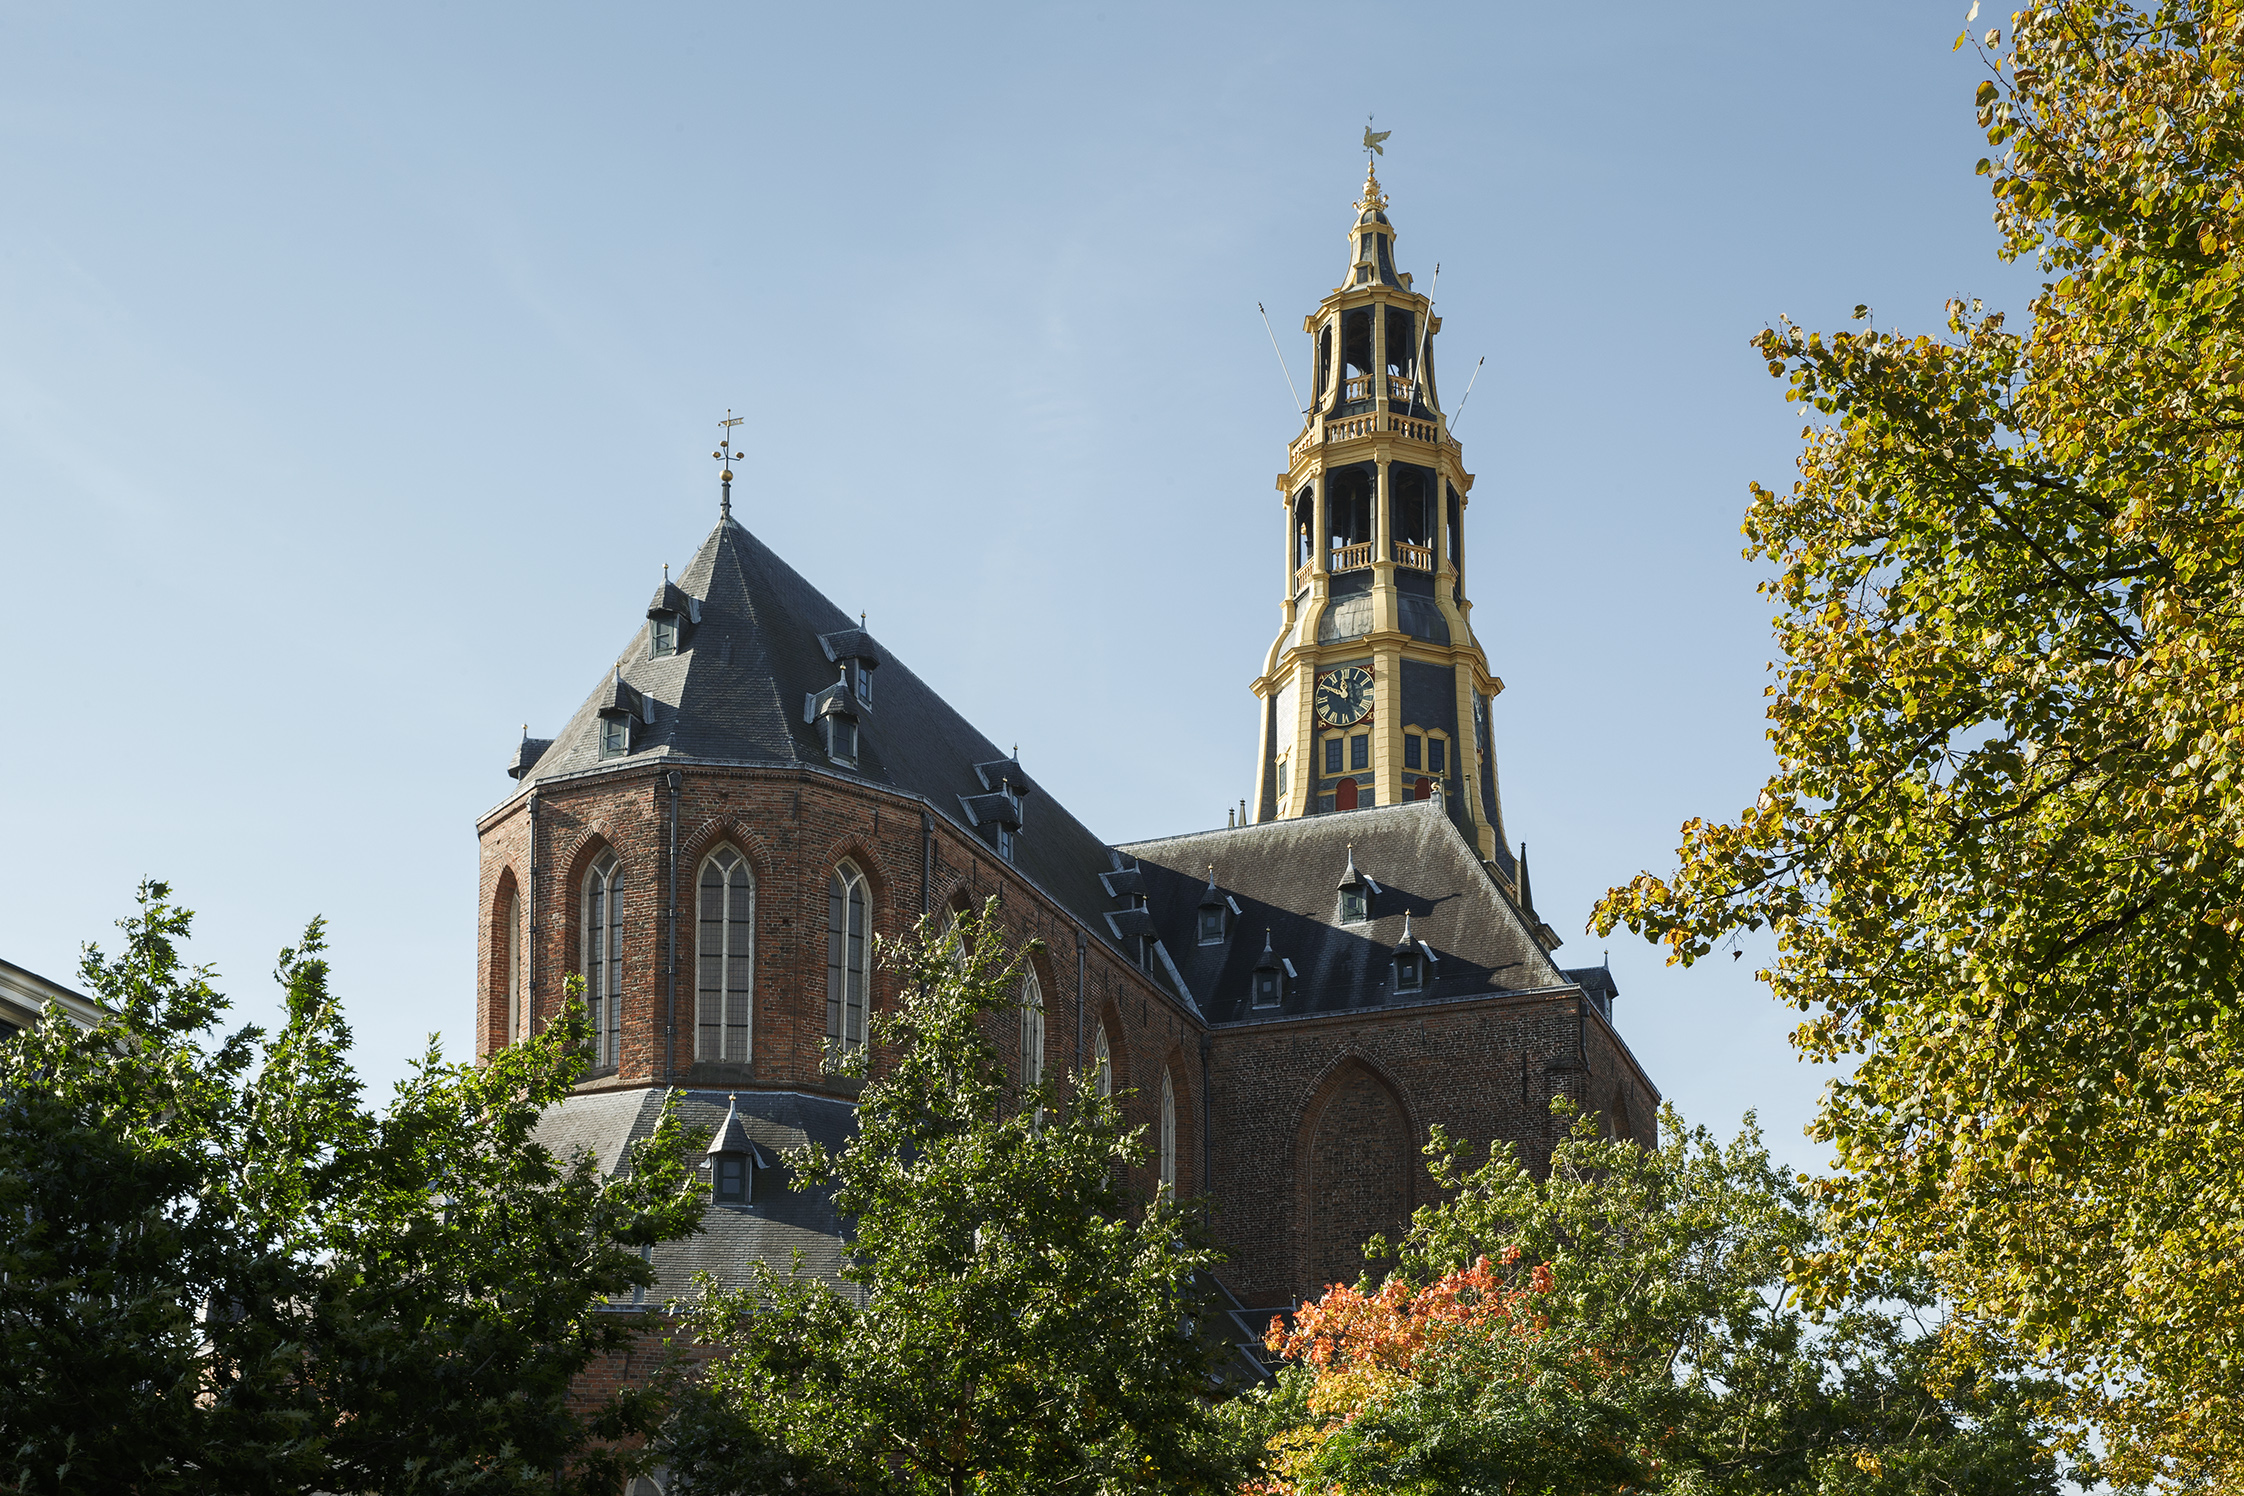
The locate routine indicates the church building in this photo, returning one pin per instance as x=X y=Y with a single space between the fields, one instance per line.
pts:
x=758 y=789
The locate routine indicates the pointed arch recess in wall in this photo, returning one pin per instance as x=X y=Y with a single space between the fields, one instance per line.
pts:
x=1354 y=1171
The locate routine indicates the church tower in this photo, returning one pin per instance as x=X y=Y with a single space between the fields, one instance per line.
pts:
x=1376 y=690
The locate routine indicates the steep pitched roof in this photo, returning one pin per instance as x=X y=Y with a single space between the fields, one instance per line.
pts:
x=1285 y=878
x=735 y=693
x=782 y=1219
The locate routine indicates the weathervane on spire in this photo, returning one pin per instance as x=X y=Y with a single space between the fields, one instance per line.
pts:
x=724 y=455
x=1373 y=200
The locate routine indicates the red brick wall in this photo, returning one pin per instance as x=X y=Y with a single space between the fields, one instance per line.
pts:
x=1316 y=1125
x=794 y=826
x=1321 y=1121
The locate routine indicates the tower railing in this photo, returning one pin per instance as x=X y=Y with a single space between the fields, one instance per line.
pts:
x=1350 y=428
x=1352 y=557
x=1419 y=556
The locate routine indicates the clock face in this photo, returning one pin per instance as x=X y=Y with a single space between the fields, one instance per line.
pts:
x=1344 y=696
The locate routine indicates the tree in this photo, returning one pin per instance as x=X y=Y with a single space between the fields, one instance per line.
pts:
x=1623 y=1324
x=2002 y=853
x=219 y=1272
x=1014 y=1329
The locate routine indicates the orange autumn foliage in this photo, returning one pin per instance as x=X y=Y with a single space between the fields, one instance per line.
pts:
x=1362 y=1347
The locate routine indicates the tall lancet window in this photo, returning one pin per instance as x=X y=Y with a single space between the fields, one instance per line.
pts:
x=1032 y=1031
x=1102 y=1063
x=1168 y=1134
x=845 y=961
x=603 y=959
x=724 y=998
x=517 y=1020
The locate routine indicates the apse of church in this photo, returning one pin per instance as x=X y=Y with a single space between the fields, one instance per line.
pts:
x=759 y=791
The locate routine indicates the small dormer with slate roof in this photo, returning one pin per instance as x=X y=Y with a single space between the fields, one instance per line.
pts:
x=857 y=655
x=997 y=810
x=526 y=754
x=622 y=711
x=671 y=617
x=833 y=712
x=1216 y=912
x=732 y=1160
x=1414 y=961
x=1356 y=892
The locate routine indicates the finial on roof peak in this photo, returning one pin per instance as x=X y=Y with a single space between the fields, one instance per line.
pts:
x=723 y=454
x=1374 y=200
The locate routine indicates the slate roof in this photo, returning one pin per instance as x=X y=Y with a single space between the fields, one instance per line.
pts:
x=779 y=1220
x=734 y=693
x=1285 y=876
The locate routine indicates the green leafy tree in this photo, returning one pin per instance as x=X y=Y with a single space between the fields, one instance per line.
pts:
x=1623 y=1324
x=2002 y=853
x=219 y=1272
x=1012 y=1328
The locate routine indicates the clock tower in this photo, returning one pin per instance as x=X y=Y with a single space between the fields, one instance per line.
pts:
x=1376 y=690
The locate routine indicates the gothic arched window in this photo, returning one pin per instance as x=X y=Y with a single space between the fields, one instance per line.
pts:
x=1032 y=1031
x=845 y=960
x=517 y=1020
x=1102 y=1063
x=603 y=959
x=725 y=943
x=1168 y=1134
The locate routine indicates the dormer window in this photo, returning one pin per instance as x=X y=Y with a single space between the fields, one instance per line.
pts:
x=732 y=1160
x=1005 y=841
x=1213 y=906
x=837 y=722
x=1356 y=890
x=1414 y=961
x=861 y=680
x=615 y=736
x=667 y=616
x=1269 y=976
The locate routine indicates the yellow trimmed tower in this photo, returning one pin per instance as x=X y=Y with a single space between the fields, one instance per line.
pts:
x=1376 y=690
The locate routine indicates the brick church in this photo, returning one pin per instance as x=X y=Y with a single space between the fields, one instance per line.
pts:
x=757 y=789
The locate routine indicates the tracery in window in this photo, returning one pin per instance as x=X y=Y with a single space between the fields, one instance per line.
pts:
x=845 y=960
x=517 y=1021
x=1168 y=1134
x=603 y=959
x=1032 y=1031
x=725 y=944
x=1102 y=1063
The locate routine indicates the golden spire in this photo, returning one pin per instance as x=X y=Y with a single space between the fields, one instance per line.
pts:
x=1373 y=200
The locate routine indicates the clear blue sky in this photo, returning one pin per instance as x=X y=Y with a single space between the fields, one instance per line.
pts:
x=359 y=368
